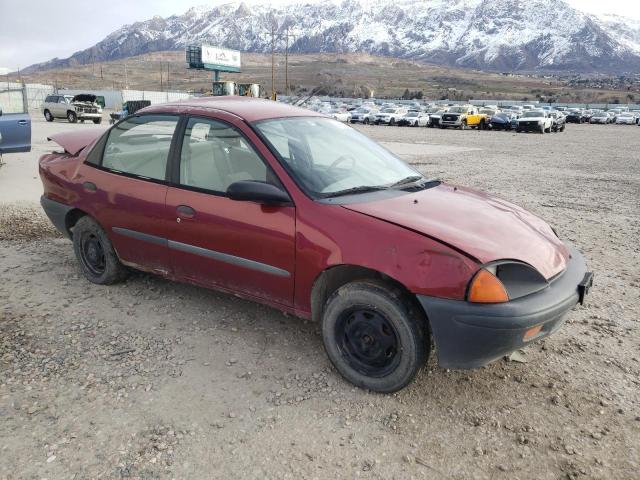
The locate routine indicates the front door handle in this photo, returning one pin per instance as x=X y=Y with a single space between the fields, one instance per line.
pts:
x=185 y=211
x=90 y=187
x=22 y=122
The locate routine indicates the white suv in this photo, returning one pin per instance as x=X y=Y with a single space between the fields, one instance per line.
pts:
x=81 y=107
x=390 y=115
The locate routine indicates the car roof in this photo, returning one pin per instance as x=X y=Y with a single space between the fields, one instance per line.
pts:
x=247 y=108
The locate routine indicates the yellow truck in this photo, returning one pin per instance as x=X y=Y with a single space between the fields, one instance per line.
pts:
x=463 y=117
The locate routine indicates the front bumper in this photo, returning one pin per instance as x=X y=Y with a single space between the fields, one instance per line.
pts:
x=471 y=335
x=529 y=127
x=88 y=116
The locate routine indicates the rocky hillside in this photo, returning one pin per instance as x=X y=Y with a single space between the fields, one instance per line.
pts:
x=500 y=35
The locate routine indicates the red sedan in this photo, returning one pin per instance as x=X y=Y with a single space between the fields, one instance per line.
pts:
x=301 y=212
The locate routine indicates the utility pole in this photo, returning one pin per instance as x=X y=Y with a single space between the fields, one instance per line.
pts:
x=273 y=35
x=168 y=76
x=286 y=61
x=126 y=78
x=273 y=57
x=161 y=72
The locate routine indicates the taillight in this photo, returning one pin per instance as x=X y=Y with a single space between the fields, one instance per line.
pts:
x=487 y=288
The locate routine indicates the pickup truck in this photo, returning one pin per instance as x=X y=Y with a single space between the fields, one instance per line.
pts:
x=463 y=117
x=535 y=121
x=15 y=132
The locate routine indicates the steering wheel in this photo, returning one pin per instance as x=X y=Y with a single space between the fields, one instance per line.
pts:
x=341 y=159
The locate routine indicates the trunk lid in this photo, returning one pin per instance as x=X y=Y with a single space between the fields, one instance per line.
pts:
x=481 y=225
x=74 y=142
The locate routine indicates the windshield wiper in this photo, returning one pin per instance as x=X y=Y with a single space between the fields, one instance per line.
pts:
x=349 y=191
x=407 y=180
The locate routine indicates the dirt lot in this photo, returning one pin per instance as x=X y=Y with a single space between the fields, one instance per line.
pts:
x=152 y=379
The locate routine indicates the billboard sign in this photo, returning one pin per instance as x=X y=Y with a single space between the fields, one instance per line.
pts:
x=222 y=59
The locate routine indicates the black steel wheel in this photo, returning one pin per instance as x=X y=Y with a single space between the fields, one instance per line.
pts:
x=92 y=253
x=95 y=254
x=375 y=335
x=368 y=341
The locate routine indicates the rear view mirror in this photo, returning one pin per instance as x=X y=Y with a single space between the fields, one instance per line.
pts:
x=260 y=192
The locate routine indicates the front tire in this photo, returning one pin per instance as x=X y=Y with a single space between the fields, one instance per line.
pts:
x=97 y=121
x=47 y=116
x=72 y=117
x=95 y=254
x=392 y=122
x=374 y=336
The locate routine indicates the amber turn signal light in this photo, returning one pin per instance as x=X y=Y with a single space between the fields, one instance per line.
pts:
x=531 y=333
x=486 y=288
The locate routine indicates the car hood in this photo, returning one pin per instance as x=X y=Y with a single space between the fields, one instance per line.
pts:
x=74 y=142
x=483 y=226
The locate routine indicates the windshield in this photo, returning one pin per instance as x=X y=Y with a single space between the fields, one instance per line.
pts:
x=325 y=156
x=388 y=110
x=412 y=114
x=457 y=110
x=533 y=113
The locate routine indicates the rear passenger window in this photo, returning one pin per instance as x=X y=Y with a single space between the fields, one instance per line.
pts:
x=215 y=155
x=140 y=146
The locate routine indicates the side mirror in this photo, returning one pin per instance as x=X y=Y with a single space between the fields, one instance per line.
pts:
x=260 y=192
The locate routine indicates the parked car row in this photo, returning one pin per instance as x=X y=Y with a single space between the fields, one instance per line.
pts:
x=619 y=116
x=520 y=118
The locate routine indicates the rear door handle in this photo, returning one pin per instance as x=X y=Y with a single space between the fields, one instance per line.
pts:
x=185 y=211
x=22 y=122
x=90 y=187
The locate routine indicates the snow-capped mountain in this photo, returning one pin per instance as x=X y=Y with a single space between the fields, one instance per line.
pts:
x=505 y=35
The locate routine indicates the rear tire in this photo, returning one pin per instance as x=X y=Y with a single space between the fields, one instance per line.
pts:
x=72 y=117
x=374 y=336
x=97 y=121
x=95 y=254
x=392 y=122
x=47 y=116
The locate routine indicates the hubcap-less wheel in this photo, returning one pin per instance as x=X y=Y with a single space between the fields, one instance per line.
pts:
x=367 y=341
x=92 y=253
x=374 y=335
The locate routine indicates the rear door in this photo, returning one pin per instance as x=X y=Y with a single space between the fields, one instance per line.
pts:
x=127 y=187
x=214 y=241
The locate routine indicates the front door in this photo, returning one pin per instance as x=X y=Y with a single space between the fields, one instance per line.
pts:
x=242 y=247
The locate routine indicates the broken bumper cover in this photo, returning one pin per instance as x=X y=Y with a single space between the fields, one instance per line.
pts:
x=57 y=213
x=471 y=335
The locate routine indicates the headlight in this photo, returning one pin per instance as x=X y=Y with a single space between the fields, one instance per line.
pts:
x=501 y=281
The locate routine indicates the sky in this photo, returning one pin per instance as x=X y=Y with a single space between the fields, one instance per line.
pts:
x=34 y=31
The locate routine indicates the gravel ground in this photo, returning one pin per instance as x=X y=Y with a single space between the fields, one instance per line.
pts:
x=156 y=380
